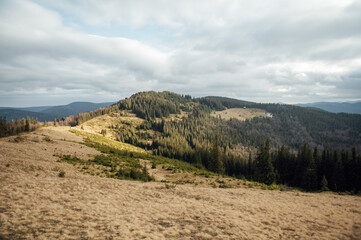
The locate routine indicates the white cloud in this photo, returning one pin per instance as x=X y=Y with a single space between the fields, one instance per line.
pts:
x=263 y=51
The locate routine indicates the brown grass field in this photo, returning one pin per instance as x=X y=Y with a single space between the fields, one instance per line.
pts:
x=35 y=203
x=242 y=114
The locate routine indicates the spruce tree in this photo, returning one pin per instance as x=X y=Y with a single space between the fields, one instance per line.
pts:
x=216 y=164
x=308 y=171
x=264 y=171
x=27 y=124
x=338 y=173
x=250 y=165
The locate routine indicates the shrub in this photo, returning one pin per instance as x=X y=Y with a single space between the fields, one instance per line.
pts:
x=47 y=139
x=170 y=186
x=223 y=185
x=324 y=184
x=61 y=174
x=19 y=139
x=103 y=132
x=274 y=187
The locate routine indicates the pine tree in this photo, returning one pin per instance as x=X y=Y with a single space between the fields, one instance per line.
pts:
x=307 y=169
x=250 y=165
x=264 y=171
x=27 y=124
x=338 y=174
x=216 y=164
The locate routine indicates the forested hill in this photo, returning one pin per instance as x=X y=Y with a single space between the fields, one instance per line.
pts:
x=302 y=147
x=293 y=125
x=290 y=125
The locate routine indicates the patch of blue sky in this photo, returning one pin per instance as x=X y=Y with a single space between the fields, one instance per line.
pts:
x=151 y=35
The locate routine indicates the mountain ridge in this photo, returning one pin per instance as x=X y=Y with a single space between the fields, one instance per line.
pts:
x=336 y=107
x=48 y=113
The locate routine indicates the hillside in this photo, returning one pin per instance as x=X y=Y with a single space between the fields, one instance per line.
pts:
x=242 y=114
x=301 y=147
x=57 y=184
x=336 y=107
x=294 y=126
x=307 y=148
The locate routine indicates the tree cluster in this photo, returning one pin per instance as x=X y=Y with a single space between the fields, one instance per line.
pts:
x=17 y=126
x=309 y=169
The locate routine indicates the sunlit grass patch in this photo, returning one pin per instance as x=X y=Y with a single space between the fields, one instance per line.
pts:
x=94 y=138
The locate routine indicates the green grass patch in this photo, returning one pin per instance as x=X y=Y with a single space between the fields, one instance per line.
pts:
x=224 y=185
x=121 y=160
x=274 y=187
x=70 y=159
x=98 y=139
x=130 y=152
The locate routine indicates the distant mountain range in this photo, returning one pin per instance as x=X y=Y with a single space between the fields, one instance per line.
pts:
x=336 y=107
x=48 y=113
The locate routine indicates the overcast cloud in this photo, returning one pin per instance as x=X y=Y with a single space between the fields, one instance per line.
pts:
x=56 y=52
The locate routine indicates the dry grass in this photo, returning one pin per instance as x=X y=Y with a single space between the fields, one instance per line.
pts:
x=35 y=203
x=242 y=114
x=96 y=125
x=108 y=142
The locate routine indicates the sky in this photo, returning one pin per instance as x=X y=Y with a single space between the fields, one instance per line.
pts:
x=57 y=52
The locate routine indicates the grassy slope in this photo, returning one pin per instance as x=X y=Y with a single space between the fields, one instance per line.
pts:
x=36 y=203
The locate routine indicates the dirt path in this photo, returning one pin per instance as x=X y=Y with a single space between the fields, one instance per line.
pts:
x=37 y=204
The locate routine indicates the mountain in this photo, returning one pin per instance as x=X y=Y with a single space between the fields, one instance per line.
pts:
x=31 y=109
x=74 y=108
x=18 y=114
x=304 y=147
x=48 y=113
x=197 y=125
x=336 y=107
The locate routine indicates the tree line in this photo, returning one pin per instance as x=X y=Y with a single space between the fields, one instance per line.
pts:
x=17 y=126
x=308 y=168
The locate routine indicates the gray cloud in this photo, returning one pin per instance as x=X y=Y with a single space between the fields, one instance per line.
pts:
x=274 y=51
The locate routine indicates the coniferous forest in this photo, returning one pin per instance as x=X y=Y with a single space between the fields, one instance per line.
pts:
x=302 y=147
x=275 y=147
